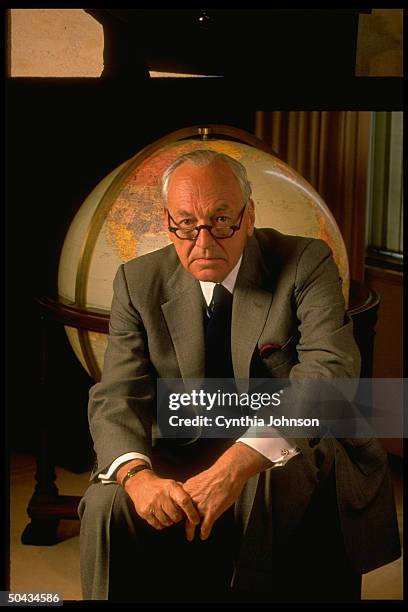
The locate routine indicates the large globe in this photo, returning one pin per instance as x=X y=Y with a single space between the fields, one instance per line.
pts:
x=122 y=218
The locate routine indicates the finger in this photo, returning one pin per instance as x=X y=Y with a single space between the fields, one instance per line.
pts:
x=206 y=527
x=173 y=511
x=161 y=516
x=186 y=504
x=154 y=522
x=190 y=531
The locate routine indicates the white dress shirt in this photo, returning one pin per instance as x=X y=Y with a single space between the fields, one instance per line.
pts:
x=277 y=450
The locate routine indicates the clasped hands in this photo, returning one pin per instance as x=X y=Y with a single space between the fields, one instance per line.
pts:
x=202 y=498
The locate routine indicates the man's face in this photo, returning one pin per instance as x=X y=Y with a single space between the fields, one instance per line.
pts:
x=199 y=195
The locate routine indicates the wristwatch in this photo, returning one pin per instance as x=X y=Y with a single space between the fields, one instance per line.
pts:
x=133 y=471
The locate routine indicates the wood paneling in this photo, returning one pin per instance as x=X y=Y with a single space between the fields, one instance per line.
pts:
x=388 y=344
x=388 y=348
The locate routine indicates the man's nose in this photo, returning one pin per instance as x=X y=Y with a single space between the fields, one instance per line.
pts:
x=204 y=239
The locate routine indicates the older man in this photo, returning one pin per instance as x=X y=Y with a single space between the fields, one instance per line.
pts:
x=245 y=519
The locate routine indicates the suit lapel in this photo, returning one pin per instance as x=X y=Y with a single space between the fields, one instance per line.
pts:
x=184 y=312
x=250 y=309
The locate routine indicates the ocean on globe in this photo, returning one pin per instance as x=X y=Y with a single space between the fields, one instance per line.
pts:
x=122 y=218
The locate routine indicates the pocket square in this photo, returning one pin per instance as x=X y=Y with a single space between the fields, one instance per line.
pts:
x=267 y=349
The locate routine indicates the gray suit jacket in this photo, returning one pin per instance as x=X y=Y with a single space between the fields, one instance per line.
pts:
x=288 y=292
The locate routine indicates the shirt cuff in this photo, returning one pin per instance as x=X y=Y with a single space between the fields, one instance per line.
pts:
x=277 y=450
x=110 y=476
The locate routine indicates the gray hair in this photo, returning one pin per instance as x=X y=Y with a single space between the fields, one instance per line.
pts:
x=205 y=157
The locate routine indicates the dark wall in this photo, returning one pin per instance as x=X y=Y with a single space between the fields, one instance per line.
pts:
x=63 y=137
x=238 y=43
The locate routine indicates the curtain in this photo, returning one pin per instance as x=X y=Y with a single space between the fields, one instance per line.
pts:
x=331 y=151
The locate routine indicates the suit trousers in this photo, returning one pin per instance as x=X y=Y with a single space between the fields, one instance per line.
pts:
x=124 y=559
x=306 y=563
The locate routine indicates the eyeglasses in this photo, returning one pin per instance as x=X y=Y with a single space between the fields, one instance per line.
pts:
x=219 y=230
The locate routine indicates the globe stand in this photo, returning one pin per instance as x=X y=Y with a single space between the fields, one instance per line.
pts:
x=46 y=507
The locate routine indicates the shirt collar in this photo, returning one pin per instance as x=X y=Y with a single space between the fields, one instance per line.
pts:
x=207 y=287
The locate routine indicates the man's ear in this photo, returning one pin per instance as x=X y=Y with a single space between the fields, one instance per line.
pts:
x=251 y=214
x=166 y=224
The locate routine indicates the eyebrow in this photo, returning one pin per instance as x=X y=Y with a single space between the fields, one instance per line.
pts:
x=223 y=207
x=186 y=213
x=182 y=212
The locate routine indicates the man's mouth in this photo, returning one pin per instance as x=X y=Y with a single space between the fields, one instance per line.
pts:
x=207 y=259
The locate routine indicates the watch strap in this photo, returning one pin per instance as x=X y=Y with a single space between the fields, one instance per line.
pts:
x=133 y=471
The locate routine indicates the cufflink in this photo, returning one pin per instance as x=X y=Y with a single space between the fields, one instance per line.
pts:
x=284 y=452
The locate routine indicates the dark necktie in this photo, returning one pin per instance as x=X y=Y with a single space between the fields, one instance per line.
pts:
x=218 y=364
x=218 y=361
